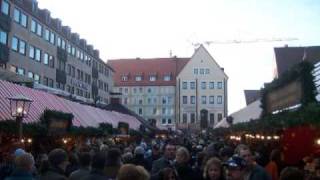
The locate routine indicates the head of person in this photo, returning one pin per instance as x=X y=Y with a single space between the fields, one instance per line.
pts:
x=213 y=169
x=139 y=151
x=275 y=155
x=132 y=172
x=167 y=174
x=98 y=160
x=84 y=159
x=58 y=158
x=169 y=151
x=291 y=173
x=244 y=152
x=225 y=153
x=155 y=150
x=127 y=158
x=113 y=157
x=182 y=155
x=235 y=168
x=25 y=162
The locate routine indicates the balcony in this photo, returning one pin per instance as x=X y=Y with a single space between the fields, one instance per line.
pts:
x=4 y=54
x=95 y=73
x=62 y=54
x=61 y=76
x=5 y=22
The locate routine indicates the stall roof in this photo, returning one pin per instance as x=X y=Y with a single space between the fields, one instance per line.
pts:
x=84 y=115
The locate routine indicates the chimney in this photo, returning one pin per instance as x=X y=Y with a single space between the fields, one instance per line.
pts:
x=47 y=15
x=96 y=53
x=90 y=49
x=83 y=43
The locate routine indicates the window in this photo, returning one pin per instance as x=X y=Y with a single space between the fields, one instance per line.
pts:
x=36 y=78
x=207 y=71
x=5 y=7
x=51 y=61
x=170 y=100
x=211 y=99
x=152 y=78
x=192 y=85
x=14 y=44
x=120 y=90
x=192 y=99
x=140 y=90
x=138 y=78
x=24 y=20
x=184 y=85
x=50 y=83
x=59 y=42
x=154 y=111
x=78 y=53
x=73 y=51
x=126 y=90
x=219 y=85
x=52 y=38
x=203 y=85
x=31 y=52
x=124 y=78
x=3 y=37
x=140 y=101
x=134 y=90
x=140 y=111
x=204 y=99
x=149 y=90
x=185 y=99
x=16 y=15
x=211 y=85
x=38 y=55
x=164 y=121
x=45 y=81
x=219 y=99
x=169 y=121
x=33 y=26
x=167 y=78
x=184 y=118
x=63 y=44
x=193 y=118
x=155 y=100
x=125 y=101
x=69 y=48
x=219 y=117
x=39 y=29
x=30 y=75
x=163 y=111
x=211 y=118
x=81 y=55
x=164 y=100
x=22 y=47
x=62 y=65
x=195 y=71
x=149 y=100
x=47 y=35
x=201 y=71
x=20 y=71
x=46 y=59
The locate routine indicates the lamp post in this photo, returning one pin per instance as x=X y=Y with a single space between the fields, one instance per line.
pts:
x=19 y=106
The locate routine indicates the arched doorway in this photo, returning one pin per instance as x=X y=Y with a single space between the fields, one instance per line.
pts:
x=204 y=119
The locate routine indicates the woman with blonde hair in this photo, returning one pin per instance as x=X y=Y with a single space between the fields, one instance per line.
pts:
x=213 y=170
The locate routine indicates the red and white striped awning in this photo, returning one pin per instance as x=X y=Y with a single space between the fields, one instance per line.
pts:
x=84 y=115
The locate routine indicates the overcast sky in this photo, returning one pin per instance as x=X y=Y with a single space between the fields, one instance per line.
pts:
x=153 y=28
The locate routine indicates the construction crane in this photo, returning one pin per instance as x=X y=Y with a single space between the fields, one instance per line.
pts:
x=235 y=41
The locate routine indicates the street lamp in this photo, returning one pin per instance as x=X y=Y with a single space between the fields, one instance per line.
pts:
x=19 y=106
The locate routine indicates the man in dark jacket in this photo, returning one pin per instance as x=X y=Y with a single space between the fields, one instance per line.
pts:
x=97 y=165
x=84 y=159
x=166 y=160
x=24 y=166
x=139 y=159
x=58 y=160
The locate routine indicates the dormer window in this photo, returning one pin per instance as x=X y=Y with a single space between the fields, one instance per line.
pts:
x=124 y=78
x=138 y=78
x=167 y=77
x=152 y=78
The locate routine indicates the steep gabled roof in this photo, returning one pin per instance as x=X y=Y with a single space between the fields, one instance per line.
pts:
x=147 y=67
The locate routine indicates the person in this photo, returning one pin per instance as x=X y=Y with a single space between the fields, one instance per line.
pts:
x=84 y=160
x=253 y=170
x=155 y=154
x=291 y=173
x=113 y=163
x=58 y=161
x=139 y=158
x=24 y=166
x=166 y=160
x=272 y=166
x=8 y=165
x=167 y=174
x=132 y=172
x=182 y=166
x=235 y=168
x=73 y=164
x=97 y=167
x=213 y=170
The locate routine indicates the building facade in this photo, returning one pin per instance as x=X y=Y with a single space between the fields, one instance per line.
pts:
x=173 y=92
x=34 y=45
x=201 y=92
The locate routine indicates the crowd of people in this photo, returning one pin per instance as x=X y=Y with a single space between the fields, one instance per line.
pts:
x=155 y=160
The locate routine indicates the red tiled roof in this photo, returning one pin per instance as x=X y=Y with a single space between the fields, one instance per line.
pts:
x=84 y=115
x=147 y=67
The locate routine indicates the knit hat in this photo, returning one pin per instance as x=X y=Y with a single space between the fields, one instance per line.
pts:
x=19 y=152
x=139 y=150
